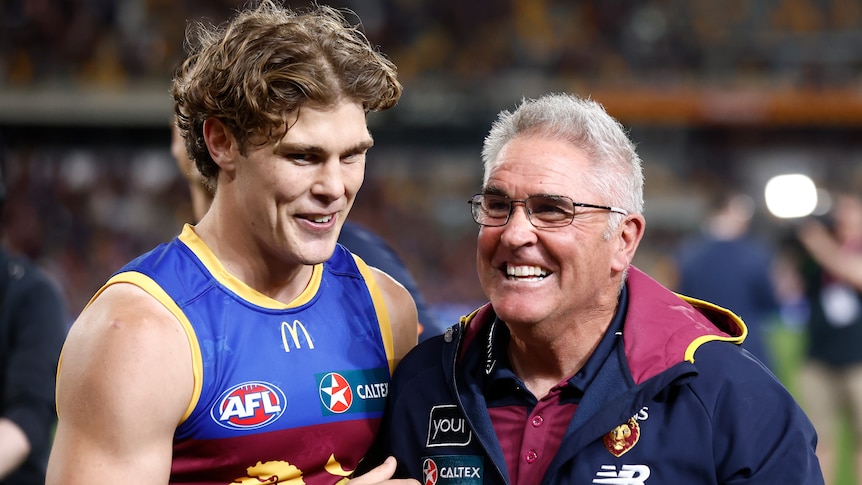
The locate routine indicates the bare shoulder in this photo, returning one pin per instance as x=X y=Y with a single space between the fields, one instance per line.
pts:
x=124 y=327
x=126 y=339
x=125 y=382
x=402 y=312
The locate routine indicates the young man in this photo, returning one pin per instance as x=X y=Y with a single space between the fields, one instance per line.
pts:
x=250 y=349
x=582 y=369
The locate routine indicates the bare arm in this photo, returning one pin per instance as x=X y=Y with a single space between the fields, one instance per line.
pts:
x=125 y=382
x=826 y=250
x=402 y=313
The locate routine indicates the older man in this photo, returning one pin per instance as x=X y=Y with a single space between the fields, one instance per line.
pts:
x=582 y=369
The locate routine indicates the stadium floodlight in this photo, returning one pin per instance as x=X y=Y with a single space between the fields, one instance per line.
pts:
x=791 y=196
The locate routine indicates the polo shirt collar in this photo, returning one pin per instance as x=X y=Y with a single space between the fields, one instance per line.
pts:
x=498 y=368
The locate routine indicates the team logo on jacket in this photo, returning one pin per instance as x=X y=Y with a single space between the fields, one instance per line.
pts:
x=452 y=470
x=622 y=438
x=353 y=391
x=249 y=405
x=447 y=427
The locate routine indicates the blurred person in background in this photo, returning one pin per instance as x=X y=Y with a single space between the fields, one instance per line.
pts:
x=32 y=329
x=581 y=368
x=251 y=348
x=361 y=241
x=375 y=251
x=200 y=192
x=831 y=376
x=728 y=266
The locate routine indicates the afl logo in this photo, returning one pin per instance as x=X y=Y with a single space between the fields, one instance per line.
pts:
x=335 y=393
x=429 y=472
x=249 y=405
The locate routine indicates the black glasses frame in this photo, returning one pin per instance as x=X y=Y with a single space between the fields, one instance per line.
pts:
x=477 y=212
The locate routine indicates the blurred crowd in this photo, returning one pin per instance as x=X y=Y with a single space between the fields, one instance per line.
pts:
x=87 y=205
x=83 y=205
x=803 y=43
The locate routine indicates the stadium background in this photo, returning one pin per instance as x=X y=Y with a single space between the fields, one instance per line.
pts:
x=715 y=93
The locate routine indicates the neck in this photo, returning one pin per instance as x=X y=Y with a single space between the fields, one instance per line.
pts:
x=243 y=260
x=543 y=359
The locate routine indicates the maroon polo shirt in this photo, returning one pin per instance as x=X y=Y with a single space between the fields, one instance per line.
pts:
x=530 y=430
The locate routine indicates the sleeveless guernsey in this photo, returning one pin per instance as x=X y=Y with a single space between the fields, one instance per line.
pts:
x=283 y=393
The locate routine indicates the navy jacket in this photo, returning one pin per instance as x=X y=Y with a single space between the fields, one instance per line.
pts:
x=678 y=401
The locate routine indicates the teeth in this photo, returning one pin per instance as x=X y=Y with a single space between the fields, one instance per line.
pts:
x=322 y=219
x=526 y=271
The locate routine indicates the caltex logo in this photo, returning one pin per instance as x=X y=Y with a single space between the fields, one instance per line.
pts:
x=335 y=393
x=430 y=473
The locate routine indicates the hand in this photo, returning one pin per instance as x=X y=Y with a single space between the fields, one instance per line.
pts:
x=815 y=236
x=382 y=474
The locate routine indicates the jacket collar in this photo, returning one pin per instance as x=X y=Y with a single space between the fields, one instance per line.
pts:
x=661 y=328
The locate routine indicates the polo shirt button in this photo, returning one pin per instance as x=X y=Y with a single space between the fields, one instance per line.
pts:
x=531 y=456
x=537 y=421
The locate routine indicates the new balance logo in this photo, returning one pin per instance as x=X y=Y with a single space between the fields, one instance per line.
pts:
x=628 y=475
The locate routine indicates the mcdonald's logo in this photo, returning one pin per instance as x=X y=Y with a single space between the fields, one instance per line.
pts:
x=293 y=329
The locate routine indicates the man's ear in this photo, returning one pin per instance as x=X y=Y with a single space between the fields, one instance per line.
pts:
x=221 y=143
x=629 y=236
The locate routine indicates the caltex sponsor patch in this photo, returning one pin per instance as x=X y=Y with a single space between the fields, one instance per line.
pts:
x=452 y=470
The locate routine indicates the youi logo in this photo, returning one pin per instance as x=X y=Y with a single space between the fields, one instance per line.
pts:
x=249 y=405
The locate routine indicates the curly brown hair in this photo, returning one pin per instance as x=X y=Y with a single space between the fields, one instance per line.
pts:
x=268 y=61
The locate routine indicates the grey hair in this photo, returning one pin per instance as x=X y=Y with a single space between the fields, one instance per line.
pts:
x=616 y=167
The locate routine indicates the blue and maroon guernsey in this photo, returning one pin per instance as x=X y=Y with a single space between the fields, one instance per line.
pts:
x=283 y=393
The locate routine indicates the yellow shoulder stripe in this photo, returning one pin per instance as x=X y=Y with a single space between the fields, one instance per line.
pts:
x=380 y=308
x=147 y=284
x=713 y=308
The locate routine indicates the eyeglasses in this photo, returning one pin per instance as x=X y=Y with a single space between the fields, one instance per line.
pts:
x=543 y=211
